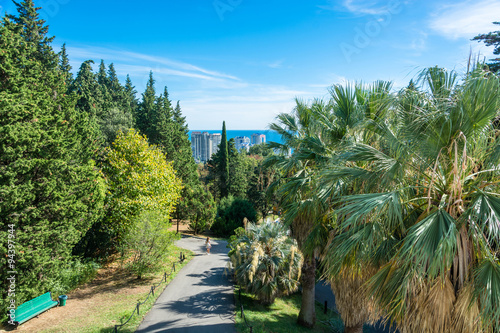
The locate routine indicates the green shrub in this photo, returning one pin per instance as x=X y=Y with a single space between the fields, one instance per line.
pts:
x=76 y=274
x=230 y=215
x=148 y=241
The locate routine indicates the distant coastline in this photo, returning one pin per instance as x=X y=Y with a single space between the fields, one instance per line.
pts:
x=270 y=135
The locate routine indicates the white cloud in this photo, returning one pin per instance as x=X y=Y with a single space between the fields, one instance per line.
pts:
x=365 y=7
x=466 y=19
x=207 y=96
x=276 y=64
x=160 y=65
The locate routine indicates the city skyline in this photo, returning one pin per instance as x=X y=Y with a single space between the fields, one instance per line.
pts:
x=204 y=144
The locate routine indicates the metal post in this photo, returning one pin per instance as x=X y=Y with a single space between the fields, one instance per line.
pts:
x=251 y=329
x=326 y=306
x=152 y=290
x=138 y=304
x=174 y=266
x=116 y=329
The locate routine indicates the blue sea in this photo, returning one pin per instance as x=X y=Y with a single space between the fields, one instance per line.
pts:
x=270 y=135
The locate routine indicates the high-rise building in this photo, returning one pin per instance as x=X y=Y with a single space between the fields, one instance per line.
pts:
x=215 y=139
x=204 y=145
x=242 y=142
x=258 y=138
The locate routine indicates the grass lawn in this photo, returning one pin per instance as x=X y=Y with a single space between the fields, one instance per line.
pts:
x=280 y=316
x=106 y=301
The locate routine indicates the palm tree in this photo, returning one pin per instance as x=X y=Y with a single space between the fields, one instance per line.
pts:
x=354 y=106
x=298 y=159
x=424 y=209
x=313 y=135
x=266 y=261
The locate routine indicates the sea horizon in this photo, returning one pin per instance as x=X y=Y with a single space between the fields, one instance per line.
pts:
x=270 y=134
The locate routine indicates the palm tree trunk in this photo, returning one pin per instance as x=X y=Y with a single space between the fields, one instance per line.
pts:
x=307 y=314
x=354 y=329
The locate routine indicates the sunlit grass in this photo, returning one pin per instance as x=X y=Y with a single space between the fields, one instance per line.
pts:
x=281 y=316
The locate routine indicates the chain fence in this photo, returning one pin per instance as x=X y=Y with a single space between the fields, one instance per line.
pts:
x=151 y=292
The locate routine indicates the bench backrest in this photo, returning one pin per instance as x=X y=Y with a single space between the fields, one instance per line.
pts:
x=31 y=308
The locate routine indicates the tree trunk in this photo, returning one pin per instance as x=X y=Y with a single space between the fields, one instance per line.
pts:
x=307 y=314
x=177 y=224
x=354 y=329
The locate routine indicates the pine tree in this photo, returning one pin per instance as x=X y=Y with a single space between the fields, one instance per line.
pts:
x=130 y=99
x=162 y=130
x=115 y=89
x=64 y=66
x=101 y=75
x=87 y=89
x=179 y=119
x=492 y=39
x=146 y=110
x=183 y=157
x=33 y=30
x=50 y=191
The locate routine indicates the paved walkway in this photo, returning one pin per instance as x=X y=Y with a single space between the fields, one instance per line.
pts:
x=200 y=298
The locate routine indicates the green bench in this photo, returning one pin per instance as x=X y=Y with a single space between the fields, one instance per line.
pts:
x=30 y=309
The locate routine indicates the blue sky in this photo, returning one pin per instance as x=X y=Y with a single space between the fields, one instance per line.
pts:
x=244 y=61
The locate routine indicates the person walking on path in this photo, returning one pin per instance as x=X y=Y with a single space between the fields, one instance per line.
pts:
x=200 y=298
x=208 y=245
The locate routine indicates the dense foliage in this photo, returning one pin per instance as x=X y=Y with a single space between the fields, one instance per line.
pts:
x=399 y=193
x=139 y=178
x=51 y=191
x=231 y=214
x=148 y=240
x=63 y=190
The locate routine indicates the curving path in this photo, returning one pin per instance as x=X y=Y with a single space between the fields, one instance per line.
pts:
x=200 y=298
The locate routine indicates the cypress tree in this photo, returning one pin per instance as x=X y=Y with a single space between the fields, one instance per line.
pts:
x=51 y=192
x=224 y=163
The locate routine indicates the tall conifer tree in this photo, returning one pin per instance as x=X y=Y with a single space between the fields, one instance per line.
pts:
x=162 y=129
x=33 y=30
x=146 y=110
x=64 y=66
x=224 y=163
x=50 y=191
x=131 y=102
x=87 y=89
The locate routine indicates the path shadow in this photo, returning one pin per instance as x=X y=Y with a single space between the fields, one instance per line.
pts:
x=165 y=327
x=216 y=276
x=218 y=302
